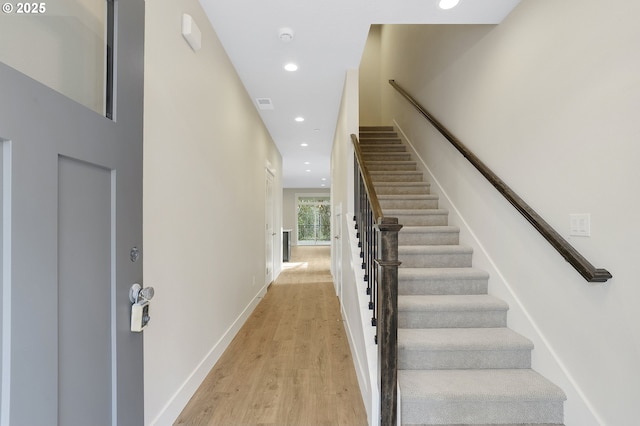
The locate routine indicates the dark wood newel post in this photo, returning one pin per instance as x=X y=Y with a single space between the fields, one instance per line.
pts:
x=388 y=320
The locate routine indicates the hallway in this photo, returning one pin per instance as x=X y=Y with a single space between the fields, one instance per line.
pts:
x=290 y=364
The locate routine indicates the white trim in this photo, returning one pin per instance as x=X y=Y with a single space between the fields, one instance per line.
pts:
x=270 y=234
x=5 y=388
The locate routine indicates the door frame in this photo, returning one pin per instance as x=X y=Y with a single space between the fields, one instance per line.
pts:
x=337 y=249
x=270 y=216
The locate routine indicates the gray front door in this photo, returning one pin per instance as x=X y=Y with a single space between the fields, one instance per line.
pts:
x=71 y=206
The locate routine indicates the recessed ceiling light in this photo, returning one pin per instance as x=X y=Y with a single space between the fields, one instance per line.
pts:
x=291 y=67
x=448 y=4
x=307 y=163
x=323 y=179
x=304 y=144
x=308 y=170
x=299 y=119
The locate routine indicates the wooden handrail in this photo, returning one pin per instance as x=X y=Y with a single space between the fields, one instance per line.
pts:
x=368 y=183
x=571 y=255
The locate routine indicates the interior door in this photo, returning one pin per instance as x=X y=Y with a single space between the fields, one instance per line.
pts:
x=71 y=213
x=270 y=233
x=337 y=249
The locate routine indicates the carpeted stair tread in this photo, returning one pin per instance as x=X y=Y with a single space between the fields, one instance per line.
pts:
x=462 y=348
x=501 y=396
x=419 y=217
x=377 y=134
x=408 y=197
x=455 y=311
x=450 y=339
x=404 y=165
x=400 y=184
x=500 y=424
x=442 y=281
x=380 y=139
x=389 y=188
x=382 y=147
x=465 y=302
x=409 y=200
x=376 y=128
x=428 y=235
x=395 y=176
x=386 y=156
x=414 y=212
x=435 y=256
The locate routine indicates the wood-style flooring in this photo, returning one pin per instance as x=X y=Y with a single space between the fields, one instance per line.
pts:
x=290 y=364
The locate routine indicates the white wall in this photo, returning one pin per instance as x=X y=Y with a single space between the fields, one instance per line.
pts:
x=289 y=208
x=204 y=206
x=347 y=270
x=370 y=89
x=549 y=100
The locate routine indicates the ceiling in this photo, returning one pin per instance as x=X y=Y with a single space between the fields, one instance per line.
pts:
x=329 y=38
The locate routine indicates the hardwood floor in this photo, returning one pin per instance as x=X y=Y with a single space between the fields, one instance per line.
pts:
x=290 y=364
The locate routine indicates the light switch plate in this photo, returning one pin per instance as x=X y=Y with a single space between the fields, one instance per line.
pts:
x=580 y=225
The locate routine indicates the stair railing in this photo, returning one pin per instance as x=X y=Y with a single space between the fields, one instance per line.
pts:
x=378 y=242
x=571 y=255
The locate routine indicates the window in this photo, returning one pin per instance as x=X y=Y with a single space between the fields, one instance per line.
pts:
x=314 y=220
x=66 y=45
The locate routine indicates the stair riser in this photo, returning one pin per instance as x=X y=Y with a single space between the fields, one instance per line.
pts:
x=428 y=238
x=408 y=204
x=399 y=190
x=364 y=129
x=378 y=134
x=385 y=156
x=442 y=287
x=474 y=412
x=370 y=140
x=423 y=220
x=391 y=166
x=396 y=177
x=454 y=319
x=443 y=260
x=382 y=148
x=462 y=359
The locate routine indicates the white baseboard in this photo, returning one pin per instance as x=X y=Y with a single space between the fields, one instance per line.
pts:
x=181 y=397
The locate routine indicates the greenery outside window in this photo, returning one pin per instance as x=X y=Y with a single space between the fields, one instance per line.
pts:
x=314 y=220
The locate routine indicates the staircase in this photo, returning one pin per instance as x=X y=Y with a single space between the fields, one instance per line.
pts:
x=458 y=362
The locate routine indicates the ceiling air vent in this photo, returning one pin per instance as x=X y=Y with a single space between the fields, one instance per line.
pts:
x=264 y=103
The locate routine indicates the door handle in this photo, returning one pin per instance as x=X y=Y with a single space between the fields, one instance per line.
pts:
x=138 y=294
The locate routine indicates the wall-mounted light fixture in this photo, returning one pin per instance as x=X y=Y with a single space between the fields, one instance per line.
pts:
x=191 y=32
